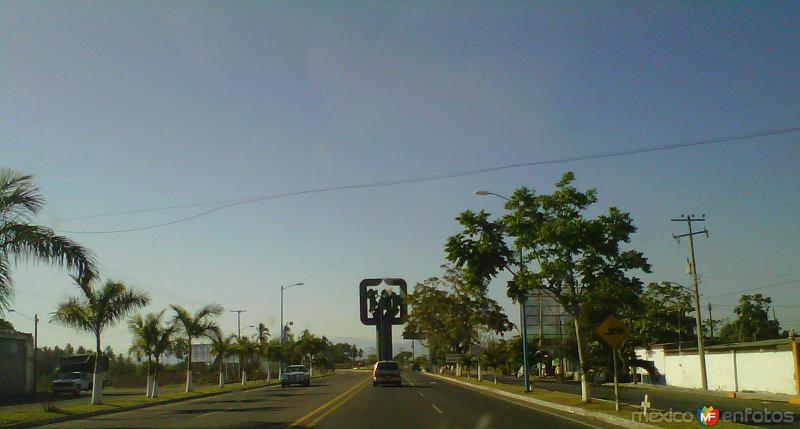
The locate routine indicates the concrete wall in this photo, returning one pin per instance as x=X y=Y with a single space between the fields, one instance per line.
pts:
x=16 y=370
x=729 y=370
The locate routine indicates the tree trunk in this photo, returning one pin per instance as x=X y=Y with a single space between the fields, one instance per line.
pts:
x=221 y=372
x=586 y=394
x=147 y=389
x=154 y=388
x=97 y=377
x=189 y=385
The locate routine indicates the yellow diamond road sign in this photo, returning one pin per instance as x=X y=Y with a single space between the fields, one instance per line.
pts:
x=612 y=331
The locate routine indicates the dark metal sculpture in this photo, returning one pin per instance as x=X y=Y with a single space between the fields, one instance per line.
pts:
x=382 y=309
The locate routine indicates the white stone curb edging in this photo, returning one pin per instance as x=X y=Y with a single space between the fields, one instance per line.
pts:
x=618 y=421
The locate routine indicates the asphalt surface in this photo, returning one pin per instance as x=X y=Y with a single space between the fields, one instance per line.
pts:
x=665 y=399
x=345 y=400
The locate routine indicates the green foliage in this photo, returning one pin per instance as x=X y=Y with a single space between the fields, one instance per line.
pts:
x=663 y=319
x=99 y=308
x=5 y=325
x=752 y=321
x=20 y=202
x=452 y=314
x=580 y=261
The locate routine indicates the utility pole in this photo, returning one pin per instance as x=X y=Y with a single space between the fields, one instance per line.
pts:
x=36 y=346
x=238 y=334
x=238 y=322
x=711 y=320
x=700 y=348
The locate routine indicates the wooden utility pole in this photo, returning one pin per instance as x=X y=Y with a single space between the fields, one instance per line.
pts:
x=710 y=320
x=700 y=348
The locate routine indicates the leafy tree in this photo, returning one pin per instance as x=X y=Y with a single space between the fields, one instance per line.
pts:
x=151 y=339
x=160 y=347
x=752 y=321
x=664 y=317
x=403 y=357
x=20 y=202
x=451 y=315
x=201 y=324
x=96 y=310
x=578 y=259
x=5 y=325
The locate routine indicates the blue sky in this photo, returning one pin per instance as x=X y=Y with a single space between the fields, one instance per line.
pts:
x=119 y=106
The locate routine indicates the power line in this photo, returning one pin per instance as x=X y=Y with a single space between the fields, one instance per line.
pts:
x=756 y=288
x=429 y=178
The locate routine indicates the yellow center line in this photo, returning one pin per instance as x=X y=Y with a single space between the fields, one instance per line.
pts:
x=353 y=390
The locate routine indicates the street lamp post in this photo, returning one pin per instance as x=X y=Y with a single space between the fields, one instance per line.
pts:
x=522 y=316
x=280 y=367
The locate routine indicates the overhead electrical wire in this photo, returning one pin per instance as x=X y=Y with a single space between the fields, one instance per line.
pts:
x=395 y=182
x=756 y=288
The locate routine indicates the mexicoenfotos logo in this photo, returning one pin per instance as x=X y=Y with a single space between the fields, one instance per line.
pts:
x=708 y=416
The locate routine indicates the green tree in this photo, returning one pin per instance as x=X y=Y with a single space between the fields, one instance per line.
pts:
x=96 y=310
x=578 y=259
x=151 y=338
x=451 y=315
x=246 y=349
x=162 y=345
x=20 y=202
x=663 y=319
x=403 y=358
x=201 y=324
x=5 y=325
x=221 y=346
x=752 y=321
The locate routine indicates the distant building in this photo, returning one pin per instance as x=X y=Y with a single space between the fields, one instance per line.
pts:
x=16 y=370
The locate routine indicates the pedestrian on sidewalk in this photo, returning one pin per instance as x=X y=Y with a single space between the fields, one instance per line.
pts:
x=558 y=373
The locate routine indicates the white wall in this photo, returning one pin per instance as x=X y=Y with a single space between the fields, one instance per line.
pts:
x=730 y=370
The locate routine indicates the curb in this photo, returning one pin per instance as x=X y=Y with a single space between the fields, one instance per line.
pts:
x=35 y=423
x=564 y=408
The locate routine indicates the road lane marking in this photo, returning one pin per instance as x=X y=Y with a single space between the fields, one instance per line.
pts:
x=420 y=394
x=437 y=409
x=208 y=414
x=353 y=390
x=529 y=406
x=319 y=418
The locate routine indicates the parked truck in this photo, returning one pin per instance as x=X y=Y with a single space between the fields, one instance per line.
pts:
x=75 y=373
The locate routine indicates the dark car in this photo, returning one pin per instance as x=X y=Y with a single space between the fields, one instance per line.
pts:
x=386 y=372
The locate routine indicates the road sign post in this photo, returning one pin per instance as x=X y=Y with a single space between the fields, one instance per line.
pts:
x=613 y=332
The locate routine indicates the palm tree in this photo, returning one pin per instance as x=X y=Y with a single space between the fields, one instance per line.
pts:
x=262 y=336
x=151 y=339
x=162 y=344
x=96 y=310
x=201 y=324
x=221 y=346
x=20 y=202
x=246 y=349
x=144 y=338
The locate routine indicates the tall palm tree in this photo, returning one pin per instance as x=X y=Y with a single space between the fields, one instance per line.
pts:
x=162 y=344
x=201 y=324
x=246 y=349
x=20 y=202
x=96 y=310
x=151 y=339
x=221 y=346
x=144 y=330
x=262 y=336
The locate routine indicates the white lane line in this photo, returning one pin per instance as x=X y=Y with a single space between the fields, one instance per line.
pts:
x=209 y=414
x=420 y=394
x=437 y=409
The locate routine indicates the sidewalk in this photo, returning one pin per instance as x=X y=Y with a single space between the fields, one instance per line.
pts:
x=759 y=396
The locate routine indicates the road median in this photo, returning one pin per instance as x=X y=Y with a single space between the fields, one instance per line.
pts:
x=35 y=415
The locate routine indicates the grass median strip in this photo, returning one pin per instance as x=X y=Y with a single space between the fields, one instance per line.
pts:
x=35 y=413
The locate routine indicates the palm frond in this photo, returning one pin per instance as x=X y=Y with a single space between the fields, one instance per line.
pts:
x=75 y=313
x=6 y=284
x=19 y=196
x=40 y=244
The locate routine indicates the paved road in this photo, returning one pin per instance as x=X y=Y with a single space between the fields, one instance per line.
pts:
x=664 y=399
x=346 y=400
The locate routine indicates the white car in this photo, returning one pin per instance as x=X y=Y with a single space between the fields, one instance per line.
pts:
x=295 y=374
